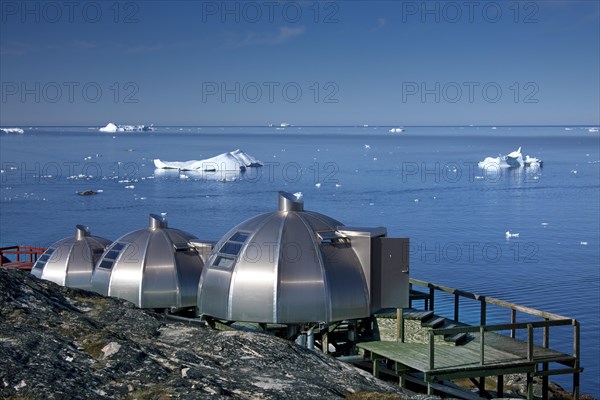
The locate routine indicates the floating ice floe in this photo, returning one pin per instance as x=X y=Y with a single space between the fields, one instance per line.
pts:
x=593 y=130
x=233 y=161
x=513 y=159
x=112 y=128
x=510 y=234
x=12 y=130
x=396 y=130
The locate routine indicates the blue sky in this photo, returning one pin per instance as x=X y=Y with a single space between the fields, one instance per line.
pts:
x=306 y=63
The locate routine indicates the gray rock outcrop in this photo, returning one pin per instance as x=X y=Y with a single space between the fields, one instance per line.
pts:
x=61 y=343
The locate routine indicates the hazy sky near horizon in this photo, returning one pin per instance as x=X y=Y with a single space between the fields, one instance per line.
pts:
x=301 y=62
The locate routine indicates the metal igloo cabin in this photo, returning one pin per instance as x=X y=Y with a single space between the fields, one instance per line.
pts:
x=293 y=266
x=70 y=262
x=154 y=267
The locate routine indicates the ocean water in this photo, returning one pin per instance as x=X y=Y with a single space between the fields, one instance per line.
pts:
x=424 y=184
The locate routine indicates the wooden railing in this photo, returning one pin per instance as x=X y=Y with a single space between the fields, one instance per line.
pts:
x=28 y=254
x=549 y=320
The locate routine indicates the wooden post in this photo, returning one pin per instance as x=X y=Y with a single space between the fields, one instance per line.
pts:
x=500 y=386
x=431 y=351
x=456 y=301
x=529 y=386
x=529 y=342
x=325 y=345
x=576 y=354
x=481 y=345
x=482 y=316
x=431 y=297
x=400 y=325
x=546 y=344
x=482 y=392
x=513 y=320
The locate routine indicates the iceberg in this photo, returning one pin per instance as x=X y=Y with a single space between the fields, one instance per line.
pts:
x=112 y=128
x=236 y=160
x=12 y=130
x=513 y=159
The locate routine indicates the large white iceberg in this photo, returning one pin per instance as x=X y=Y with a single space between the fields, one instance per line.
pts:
x=513 y=159
x=112 y=128
x=12 y=130
x=233 y=161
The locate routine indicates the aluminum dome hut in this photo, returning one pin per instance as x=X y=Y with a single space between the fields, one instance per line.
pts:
x=154 y=267
x=293 y=266
x=70 y=262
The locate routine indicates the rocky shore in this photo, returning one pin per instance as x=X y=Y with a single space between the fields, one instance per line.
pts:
x=60 y=343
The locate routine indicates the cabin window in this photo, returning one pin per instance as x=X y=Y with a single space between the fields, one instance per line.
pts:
x=235 y=243
x=332 y=237
x=111 y=256
x=239 y=237
x=181 y=246
x=230 y=250
x=41 y=262
x=223 y=262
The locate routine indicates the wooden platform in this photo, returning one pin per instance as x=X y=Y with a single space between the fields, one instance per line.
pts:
x=439 y=349
x=503 y=355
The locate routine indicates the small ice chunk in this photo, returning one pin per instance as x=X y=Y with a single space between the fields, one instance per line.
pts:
x=338 y=185
x=367 y=146
x=583 y=243
x=130 y=187
x=318 y=184
x=510 y=234
x=298 y=195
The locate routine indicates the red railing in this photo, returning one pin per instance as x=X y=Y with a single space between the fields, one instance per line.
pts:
x=24 y=256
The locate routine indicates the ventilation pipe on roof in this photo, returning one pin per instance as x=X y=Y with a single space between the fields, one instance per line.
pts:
x=81 y=232
x=157 y=222
x=289 y=202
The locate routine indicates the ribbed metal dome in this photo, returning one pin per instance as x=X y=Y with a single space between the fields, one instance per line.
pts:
x=70 y=262
x=155 y=267
x=289 y=266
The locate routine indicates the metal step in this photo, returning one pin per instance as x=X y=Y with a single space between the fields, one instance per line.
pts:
x=434 y=322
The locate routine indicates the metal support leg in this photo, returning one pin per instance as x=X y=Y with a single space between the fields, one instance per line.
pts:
x=325 y=343
x=529 y=386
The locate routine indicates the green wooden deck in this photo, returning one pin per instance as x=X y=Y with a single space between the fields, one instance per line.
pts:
x=502 y=355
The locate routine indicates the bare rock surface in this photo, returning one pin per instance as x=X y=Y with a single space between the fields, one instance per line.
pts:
x=60 y=343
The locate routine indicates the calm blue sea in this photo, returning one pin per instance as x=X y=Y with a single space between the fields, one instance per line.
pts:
x=423 y=184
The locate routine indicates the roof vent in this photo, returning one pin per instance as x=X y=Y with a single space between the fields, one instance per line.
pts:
x=289 y=202
x=81 y=232
x=157 y=222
